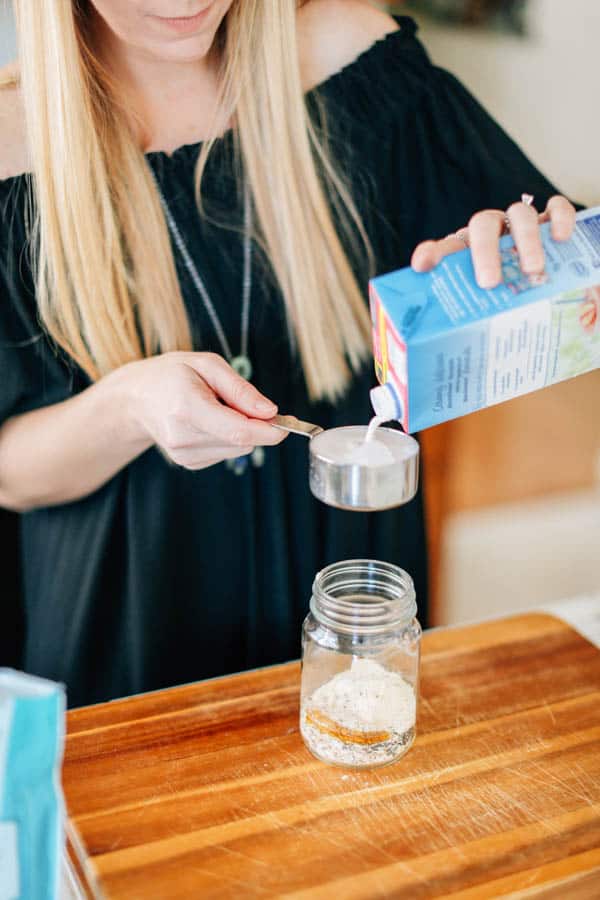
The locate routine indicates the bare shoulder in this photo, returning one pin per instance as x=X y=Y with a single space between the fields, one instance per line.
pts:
x=333 y=33
x=13 y=144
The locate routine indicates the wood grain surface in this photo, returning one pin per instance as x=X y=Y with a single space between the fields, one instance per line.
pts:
x=206 y=791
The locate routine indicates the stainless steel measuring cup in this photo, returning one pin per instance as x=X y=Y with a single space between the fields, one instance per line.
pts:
x=346 y=484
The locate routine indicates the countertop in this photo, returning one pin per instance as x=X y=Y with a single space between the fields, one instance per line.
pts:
x=582 y=613
x=207 y=790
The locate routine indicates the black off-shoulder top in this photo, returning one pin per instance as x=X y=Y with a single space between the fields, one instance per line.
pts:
x=164 y=575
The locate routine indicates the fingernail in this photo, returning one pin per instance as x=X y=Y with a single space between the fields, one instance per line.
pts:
x=534 y=267
x=488 y=279
x=265 y=406
x=537 y=279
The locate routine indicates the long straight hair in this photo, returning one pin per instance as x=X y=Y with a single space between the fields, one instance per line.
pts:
x=106 y=283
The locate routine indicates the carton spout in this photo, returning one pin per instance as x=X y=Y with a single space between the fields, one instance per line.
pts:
x=386 y=402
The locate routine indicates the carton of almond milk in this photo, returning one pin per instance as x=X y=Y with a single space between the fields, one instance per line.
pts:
x=445 y=347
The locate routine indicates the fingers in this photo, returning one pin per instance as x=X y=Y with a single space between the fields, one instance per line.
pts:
x=525 y=229
x=485 y=229
x=483 y=233
x=196 y=417
x=231 y=427
x=428 y=254
x=200 y=421
x=234 y=390
x=195 y=459
x=561 y=214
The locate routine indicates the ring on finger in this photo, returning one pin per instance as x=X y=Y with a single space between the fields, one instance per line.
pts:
x=526 y=199
x=463 y=236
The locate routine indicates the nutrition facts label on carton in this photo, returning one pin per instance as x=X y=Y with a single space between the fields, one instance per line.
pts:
x=518 y=352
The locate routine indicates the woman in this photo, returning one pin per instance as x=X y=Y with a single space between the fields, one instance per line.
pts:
x=151 y=554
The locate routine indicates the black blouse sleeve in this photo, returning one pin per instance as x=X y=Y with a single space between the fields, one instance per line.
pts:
x=470 y=142
x=31 y=374
x=433 y=153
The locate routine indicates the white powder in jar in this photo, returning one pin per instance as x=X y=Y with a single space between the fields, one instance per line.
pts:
x=364 y=716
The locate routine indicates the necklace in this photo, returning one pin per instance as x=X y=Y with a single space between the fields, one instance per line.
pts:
x=241 y=363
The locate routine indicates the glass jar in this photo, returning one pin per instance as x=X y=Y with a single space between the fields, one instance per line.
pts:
x=360 y=665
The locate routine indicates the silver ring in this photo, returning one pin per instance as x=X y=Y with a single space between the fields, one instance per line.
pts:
x=527 y=199
x=463 y=235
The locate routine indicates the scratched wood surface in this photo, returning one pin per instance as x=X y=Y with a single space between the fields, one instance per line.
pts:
x=206 y=791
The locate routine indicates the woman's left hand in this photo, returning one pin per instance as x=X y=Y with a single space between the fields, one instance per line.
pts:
x=483 y=233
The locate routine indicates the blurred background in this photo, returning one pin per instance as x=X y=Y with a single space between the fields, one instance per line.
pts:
x=513 y=492
x=7 y=33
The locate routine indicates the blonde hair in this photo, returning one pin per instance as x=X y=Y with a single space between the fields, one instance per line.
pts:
x=107 y=288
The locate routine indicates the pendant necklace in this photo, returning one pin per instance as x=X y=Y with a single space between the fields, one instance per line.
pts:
x=241 y=363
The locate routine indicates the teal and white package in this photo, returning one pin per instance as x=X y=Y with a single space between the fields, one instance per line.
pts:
x=32 y=715
x=445 y=347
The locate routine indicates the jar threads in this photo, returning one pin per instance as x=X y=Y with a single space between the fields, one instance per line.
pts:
x=363 y=596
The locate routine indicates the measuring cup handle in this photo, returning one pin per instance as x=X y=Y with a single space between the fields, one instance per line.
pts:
x=295 y=426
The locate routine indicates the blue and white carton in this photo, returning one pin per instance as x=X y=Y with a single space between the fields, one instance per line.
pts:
x=32 y=714
x=445 y=347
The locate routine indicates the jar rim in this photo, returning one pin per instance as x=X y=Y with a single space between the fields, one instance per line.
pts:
x=363 y=596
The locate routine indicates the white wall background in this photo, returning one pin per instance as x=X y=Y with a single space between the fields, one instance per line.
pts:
x=543 y=89
x=7 y=33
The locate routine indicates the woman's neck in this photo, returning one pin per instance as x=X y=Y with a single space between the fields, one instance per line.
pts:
x=171 y=102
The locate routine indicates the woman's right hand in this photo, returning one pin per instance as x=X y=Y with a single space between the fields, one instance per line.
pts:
x=197 y=409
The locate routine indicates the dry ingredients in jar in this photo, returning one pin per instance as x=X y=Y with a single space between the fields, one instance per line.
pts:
x=362 y=716
x=360 y=664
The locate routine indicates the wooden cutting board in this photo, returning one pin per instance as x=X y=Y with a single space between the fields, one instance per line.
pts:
x=206 y=791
